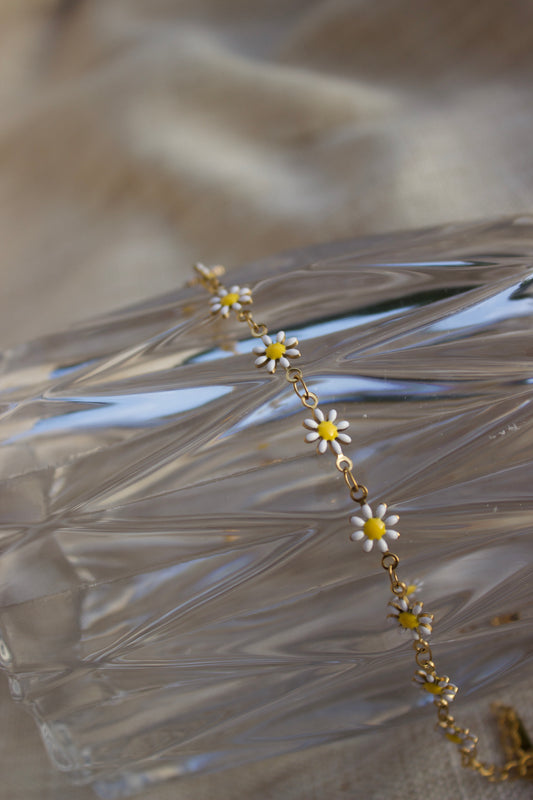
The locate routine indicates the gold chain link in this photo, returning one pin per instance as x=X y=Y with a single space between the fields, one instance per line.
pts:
x=257 y=329
x=295 y=377
x=358 y=492
x=423 y=655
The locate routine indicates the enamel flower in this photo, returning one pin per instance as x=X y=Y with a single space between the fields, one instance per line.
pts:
x=327 y=431
x=224 y=302
x=413 y=587
x=276 y=352
x=204 y=271
x=373 y=528
x=440 y=687
x=411 y=618
x=460 y=736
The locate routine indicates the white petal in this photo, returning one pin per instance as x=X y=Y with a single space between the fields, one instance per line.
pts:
x=236 y=306
x=285 y=363
x=392 y=520
x=310 y=423
x=424 y=620
x=258 y=349
x=215 y=307
x=366 y=511
x=383 y=546
x=266 y=339
x=260 y=361
x=222 y=292
x=332 y=416
x=291 y=342
x=356 y=536
x=271 y=366
x=380 y=510
x=246 y=290
x=402 y=602
x=368 y=545
x=357 y=521
x=417 y=608
x=391 y=534
x=245 y=298
x=292 y=353
x=322 y=446
x=343 y=437
x=311 y=437
x=235 y=290
x=225 y=311
x=319 y=415
x=342 y=425
x=281 y=336
x=336 y=447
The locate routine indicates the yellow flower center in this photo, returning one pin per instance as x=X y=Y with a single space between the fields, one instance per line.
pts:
x=229 y=299
x=275 y=350
x=327 y=430
x=374 y=528
x=411 y=588
x=432 y=688
x=408 y=620
x=454 y=737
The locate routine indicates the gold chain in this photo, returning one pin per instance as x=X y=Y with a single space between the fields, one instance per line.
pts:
x=373 y=528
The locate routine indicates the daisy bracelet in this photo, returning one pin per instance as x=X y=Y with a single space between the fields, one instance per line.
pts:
x=373 y=528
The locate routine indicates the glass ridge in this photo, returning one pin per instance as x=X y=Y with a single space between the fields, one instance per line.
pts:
x=178 y=592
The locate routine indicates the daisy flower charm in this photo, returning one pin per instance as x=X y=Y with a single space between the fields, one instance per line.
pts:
x=276 y=352
x=411 y=618
x=414 y=586
x=459 y=736
x=224 y=302
x=204 y=271
x=440 y=687
x=327 y=431
x=372 y=528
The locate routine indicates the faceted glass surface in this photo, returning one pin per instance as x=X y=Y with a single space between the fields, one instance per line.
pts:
x=178 y=591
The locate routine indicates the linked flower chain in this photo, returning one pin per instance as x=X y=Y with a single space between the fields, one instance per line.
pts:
x=371 y=528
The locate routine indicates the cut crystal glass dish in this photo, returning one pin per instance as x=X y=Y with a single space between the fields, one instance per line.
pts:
x=178 y=589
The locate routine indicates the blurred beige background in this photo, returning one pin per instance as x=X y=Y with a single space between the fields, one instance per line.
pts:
x=137 y=136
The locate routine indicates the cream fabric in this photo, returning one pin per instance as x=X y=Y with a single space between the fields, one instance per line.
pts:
x=137 y=136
